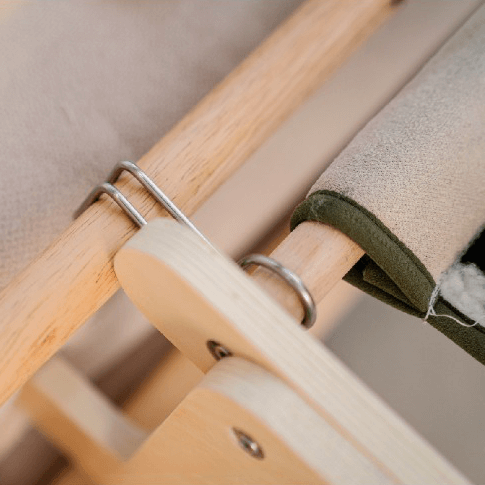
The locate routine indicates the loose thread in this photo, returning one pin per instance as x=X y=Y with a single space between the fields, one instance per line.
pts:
x=431 y=311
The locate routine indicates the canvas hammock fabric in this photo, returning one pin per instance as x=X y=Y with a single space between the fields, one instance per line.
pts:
x=100 y=95
x=410 y=190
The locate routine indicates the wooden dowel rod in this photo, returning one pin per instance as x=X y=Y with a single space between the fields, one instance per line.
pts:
x=321 y=273
x=57 y=293
x=319 y=254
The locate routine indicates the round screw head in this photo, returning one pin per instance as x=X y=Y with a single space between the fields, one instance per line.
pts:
x=217 y=350
x=248 y=444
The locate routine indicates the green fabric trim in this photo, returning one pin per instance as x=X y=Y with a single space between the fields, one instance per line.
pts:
x=389 y=271
x=376 y=277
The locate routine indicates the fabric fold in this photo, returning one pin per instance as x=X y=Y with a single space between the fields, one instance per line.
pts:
x=410 y=190
x=389 y=271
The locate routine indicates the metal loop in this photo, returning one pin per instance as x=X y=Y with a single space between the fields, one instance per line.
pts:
x=108 y=188
x=304 y=295
x=119 y=198
x=126 y=206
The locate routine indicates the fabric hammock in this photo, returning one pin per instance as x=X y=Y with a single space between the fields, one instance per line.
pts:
x=410 y=190
x=84 y=85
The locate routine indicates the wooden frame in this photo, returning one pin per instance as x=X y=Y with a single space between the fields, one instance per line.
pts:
x=319 y=254
x=189 y=163
x=193 y=294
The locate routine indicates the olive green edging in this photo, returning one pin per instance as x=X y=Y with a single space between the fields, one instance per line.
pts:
x=381 y=246
x=389 y=271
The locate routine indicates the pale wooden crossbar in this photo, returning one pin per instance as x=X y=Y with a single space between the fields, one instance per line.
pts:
x=58 y=292
x=315 y=420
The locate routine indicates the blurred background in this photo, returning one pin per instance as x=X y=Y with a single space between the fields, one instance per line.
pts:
x=435 y=386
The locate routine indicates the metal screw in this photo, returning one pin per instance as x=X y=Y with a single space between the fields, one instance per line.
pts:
x=248 y=444
x=217 y=350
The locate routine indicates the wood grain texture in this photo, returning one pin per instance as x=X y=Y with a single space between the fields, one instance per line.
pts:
x=162 y=391
x=319 y=268
x=194 y=294
x=319 y=254
x=195 y=444
x=58 y=292
x=299 y=446
x=78 y=418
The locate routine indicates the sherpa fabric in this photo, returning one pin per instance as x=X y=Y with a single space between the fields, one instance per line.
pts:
x=410 y=189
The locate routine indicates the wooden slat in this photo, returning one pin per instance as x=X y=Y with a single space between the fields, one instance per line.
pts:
x=56 y=294
x=194 y=444
x=194 y=295
x=300 y=447
x=77 y=418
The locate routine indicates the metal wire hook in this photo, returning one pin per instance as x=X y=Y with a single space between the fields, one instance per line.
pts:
x=304 y=295
x=109 y=189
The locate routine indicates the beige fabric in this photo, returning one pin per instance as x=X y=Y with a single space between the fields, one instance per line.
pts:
x=86 y=84
x=428 y=20
x=82 y=86
x=419 y=165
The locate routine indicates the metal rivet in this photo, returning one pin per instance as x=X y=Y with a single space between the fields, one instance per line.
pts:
x=217 y=350
x=248 y=444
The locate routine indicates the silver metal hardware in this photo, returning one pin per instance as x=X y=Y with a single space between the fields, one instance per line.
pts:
x=109 y=189
x=126 y=166
x=120 y=199
x=248 y=444
x=305 y=297
x=217 y=350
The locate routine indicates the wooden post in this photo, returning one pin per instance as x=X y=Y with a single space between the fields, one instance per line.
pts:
x=56 y=294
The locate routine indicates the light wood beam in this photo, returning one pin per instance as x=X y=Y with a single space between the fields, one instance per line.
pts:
x=59 y=291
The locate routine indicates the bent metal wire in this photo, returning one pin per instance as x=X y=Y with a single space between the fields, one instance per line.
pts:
x=291 y=278
x=109 y=189
x=112 y=191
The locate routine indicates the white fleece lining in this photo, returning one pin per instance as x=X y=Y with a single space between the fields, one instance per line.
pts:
x=463 y=285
